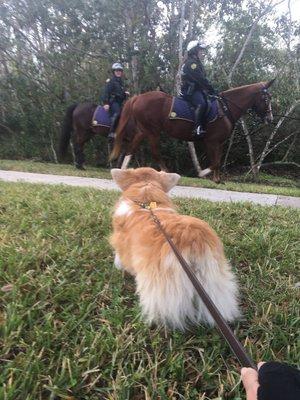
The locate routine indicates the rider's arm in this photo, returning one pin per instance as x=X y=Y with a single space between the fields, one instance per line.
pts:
x=123 y=92
x=107 y=92
x=195 y=73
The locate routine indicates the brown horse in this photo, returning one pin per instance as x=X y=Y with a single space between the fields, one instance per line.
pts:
x=78 y=124
x=150 y=113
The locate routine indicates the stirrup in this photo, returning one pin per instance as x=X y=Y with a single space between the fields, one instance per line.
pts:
x=111 y=135
x=200 y=131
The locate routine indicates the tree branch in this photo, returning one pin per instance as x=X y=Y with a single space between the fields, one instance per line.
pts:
x=8 y=129
x=294 y=164
x=279 y=123
x=265 y=11
x=281 y=141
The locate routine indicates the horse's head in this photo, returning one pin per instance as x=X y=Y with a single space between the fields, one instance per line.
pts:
x=262 y=103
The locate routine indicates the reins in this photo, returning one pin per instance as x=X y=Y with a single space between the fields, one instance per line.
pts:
x=224 y=328
x=224 y=101
x=226 y=109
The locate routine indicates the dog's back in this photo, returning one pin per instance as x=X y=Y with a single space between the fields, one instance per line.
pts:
x=166 y=293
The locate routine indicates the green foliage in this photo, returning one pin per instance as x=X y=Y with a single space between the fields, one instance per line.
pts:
x=70 y=323
x=57 y=53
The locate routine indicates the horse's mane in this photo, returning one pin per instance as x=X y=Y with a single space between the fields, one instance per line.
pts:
x=235 y=89
x=156 y=94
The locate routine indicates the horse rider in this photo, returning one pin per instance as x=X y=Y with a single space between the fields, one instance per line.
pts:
x=194 y=85
x=114 y=96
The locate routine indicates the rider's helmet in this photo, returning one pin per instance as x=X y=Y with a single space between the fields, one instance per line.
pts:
x=117 y=67
x=194 y=45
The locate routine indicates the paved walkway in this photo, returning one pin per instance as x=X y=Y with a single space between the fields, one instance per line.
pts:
x=178 y=191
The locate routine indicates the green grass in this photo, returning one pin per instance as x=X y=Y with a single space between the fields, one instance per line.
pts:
x=56 y=169
x=70 y=323
x=267 y=183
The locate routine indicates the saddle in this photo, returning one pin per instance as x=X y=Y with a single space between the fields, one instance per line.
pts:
x=101 y=117
x=183 y=110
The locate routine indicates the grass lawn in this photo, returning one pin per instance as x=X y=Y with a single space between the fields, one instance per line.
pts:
x=267 y=183
x=69 y=321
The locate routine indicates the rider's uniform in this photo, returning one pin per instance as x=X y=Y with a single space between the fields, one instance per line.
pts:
x=114 y=94
x=195 y=86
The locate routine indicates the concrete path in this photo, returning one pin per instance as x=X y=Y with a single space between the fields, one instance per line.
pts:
x=178 y=191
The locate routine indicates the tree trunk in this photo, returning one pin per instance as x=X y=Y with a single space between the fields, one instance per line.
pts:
x=134 y=68
x=228 y=149
x=266 y=10
x=180 y=52
x=254 y=169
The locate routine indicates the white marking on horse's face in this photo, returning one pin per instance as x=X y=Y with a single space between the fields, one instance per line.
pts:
x=123 y=209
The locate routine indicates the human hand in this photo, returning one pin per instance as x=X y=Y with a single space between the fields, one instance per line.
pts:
x=106 y=107
x=250 y=381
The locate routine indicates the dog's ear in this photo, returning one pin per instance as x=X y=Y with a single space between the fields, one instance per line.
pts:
x=168 y=180
x=122 y=177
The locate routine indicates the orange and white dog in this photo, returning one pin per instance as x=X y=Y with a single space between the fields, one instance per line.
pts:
x=166 y=294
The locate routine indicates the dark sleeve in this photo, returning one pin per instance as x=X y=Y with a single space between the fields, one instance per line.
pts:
x=121 y=91
x=107 y=92
x=195 y=73
x=278 y=381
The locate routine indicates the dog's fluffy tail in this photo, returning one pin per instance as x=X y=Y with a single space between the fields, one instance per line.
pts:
x=168 y=297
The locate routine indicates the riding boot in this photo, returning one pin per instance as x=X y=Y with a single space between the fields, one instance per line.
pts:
x=198 y=131
x=114 y=120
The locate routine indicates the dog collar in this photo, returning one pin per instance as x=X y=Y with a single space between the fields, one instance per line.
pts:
x=152 y=205
x=148 y=206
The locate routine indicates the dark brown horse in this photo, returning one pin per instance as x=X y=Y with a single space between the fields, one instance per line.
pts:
x=150 y=114
x=78 y=124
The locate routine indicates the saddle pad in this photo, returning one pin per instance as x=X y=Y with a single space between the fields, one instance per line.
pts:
x=181 y=109
x=101 y=117
x=213 y=112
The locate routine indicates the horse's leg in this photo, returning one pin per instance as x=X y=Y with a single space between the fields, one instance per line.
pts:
x=214 y=153
x=121 y=159
x=138 y=137
x=109 y=150
x=126 y=161
x=217 y=163
x=80 y=139
x=154 y=144
x=79 y=155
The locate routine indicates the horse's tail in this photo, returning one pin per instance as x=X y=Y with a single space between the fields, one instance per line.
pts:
x=66 y=131
x=125 y=114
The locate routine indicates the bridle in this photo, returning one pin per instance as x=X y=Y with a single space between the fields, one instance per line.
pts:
x=266 y=115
